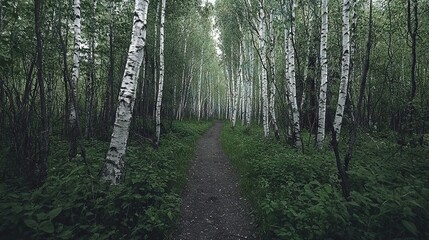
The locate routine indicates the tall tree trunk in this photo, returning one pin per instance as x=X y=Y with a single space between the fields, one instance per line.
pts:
x=161 y=74
x=91 y=75
x=272 y=98
x=292 y=80
x=44 y=132
x=365 y=67
x=345 y=63
x=412 y=25
x=199 y=84
x=183 y=86
x=249 y=88
x=108 y=116
x=264 y=81
x=323 y=75
x=155 y=64
x=74 y=79
x=114 y=165
x=234 y=84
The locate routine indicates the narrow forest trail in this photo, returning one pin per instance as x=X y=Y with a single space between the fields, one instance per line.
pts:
x=213 y=207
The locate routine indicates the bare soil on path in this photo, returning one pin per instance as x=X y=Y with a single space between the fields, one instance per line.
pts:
x=213 y=207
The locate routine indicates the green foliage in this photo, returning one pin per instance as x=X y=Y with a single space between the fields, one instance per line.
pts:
x=297 y=196
x=75 y=204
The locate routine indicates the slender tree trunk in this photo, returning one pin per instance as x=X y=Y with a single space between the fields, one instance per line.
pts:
x=249 y=89
x=44 y=132
x=183 y=86
x=91 y=76
x=323 y=75
x=365 y=67
x=345 y=63
x=307 y=64
x=155 y=64
x=114 y=165
x=272 y=98
x=292 y=80
x=264 y=83
x=199 y=84
x=412 y=25
x=161 y=74
x=234 y=84
x=108 y=117
x=74 y=79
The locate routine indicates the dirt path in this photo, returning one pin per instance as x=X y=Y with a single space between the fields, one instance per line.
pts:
x=212 y=205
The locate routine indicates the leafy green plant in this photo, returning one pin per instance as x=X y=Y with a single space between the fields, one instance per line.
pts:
x=75 y=204
x=297 y=196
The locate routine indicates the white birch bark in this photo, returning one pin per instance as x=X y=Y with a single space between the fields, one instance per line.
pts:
x=286 y=84
x=114 y=165
x=241 y=79
x=199 y=84
x=272 y=98
x=234 y=84
x=75 y=77
x=292 y=80
x=324 y=75
x=264 y=83
x=161 y=74
x=249 y=87
x=183 y=86
x=345 y=64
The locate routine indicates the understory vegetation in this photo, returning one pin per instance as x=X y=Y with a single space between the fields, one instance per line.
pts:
x=298 y=196
x=74 y=203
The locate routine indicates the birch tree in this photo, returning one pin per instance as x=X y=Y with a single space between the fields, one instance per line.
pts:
x=323 y=74
x=345 y=62
x=272 y=98
x=292 y=81
x=199 y=83
x=264 y=81
x=161 y=74
x=74 y=78
x=114 y=165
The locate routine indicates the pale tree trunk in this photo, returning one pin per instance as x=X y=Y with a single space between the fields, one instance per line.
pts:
x=161 y=74
x=292 y=81
x=345 y=63
x=228 y=93
x=155 y=64
x=114 y=165
x=183 y=86
x=323 y=75
x=307 y=61
x=234 y=86
x=199 y=84
x=272 y=98
x=74 y=79
x=249 y=87
x=264 y=82
x=287 y=76
x=241 y=79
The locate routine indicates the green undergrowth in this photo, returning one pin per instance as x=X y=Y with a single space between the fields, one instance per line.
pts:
x=75 y=204
x=298 y=196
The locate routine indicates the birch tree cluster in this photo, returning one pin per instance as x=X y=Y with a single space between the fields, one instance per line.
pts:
x=85 y=69
x=317 y=66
